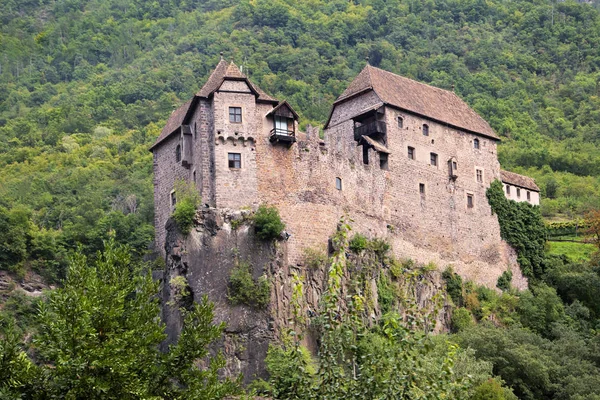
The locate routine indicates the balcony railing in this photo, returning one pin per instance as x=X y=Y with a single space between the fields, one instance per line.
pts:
x=282 y=135
x=370 y=129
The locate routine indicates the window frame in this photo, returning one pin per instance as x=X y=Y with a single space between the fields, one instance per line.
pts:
x=479 y=175
x=433 y=159
x=400 y=122
x=425 y=130
x=508 y=189
x=233 y=161
x=412 y=154
x=173 y=198
x=528 y=195
x=470 y=200
x=422 y=189
x=476 y=144
x=518 y=193
x=233 y=112
x=339 y=185
x=178 y=153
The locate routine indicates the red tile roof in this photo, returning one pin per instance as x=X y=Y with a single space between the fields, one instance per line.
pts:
x=416 y=97
x=519 y=180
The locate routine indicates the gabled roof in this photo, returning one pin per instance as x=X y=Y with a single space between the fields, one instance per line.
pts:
x=519 y=180
x=222 y=72
x=281 y=104
x=406 y=94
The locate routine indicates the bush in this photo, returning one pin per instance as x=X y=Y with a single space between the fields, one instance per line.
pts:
x=188 y=200
x=268 y=223
x=358 y=243
x=461 y=319
x=492 y=390
x=385 y=294
x=453 y=286
x=504 y=281
x=314 y=258
x=243 y=289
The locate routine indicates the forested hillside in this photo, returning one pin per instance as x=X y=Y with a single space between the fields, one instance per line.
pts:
x=86 y=86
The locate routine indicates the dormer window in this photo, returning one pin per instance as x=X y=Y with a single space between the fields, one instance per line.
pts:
x=425 y=130
x=284 y=124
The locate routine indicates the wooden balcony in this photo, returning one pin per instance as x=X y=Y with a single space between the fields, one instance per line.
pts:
x=282 y=136
x=371 y=129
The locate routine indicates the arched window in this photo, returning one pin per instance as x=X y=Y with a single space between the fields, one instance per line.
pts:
x=400 y=122
x=425 y=130
x=178 y=153
x=338 y=183
x=476 y=143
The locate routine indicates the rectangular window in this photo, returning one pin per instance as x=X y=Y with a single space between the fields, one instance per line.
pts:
x=383 y=161
x=173 y=199
x=528 y=196
x=507 y=189
x=470 y=201
x=400 y=122
x=434 y=159
x=338 y=183
x=518 y=193
x=422 y=189
x=235 y=114
x=235 y=160
x=479 y=176
x=365 y=154
x=411 y=153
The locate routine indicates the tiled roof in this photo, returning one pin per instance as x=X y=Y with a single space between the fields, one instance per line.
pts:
x=519 y=180
x=376 y=145
x=174 y=122
x=435 y=103
x=222 y=71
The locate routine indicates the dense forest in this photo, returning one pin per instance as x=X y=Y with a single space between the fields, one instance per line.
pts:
x=86 y=86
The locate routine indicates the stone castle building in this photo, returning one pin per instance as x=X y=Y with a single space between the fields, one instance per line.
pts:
x=406 y=161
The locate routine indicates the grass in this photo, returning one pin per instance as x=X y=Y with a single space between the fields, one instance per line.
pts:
x=575 y=251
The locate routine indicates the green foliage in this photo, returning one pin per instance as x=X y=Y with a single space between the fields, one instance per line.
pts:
x=522 y=227
x=291 y=371
x=268 y=223
x=504 y=281
x=492 y=390
x=17 y=372
x=385 y=293
x=244 y=289
x=539 y=308
x=454 y=286
x=358 y=243
x=314 y=258
x=461 y=319
x=188 y=200
x=100 y=333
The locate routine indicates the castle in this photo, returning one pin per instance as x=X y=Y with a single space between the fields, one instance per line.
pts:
x=406 y=161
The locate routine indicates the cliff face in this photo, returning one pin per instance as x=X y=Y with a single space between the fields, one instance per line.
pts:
x=201 y=262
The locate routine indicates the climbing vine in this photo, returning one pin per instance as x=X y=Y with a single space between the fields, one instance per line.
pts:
x=522 y=227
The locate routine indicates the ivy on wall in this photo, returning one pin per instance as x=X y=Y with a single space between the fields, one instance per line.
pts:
x=521 y=225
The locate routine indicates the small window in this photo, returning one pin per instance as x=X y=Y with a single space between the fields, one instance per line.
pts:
x=454 y=166
x=194 y=176
x=178 y=153
x=383 y=161
x=411 y=153
x=235 y=114
x=518 y=193
x=476 y=143
x=365 y=154
x=425 y=130
x=479 y=175
x=235 y=160
x=434 y=159
x=173 y=198
x=338 y=183
x=422 y=189
x=470 y=201
x=528 y=195
x=195 y=131
x=507 y=189
x=400 y=122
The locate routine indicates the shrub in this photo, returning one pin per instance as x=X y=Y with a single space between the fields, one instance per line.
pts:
x=453 y=286
x=268 y=223
x=492 y=390
x=243 y=289
x=358 y=243
x=379 y=246
x=385 y=294
x=504 y=281
x=188 y=200
x=396 y=268
x=314 y=258
x=461 y=319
